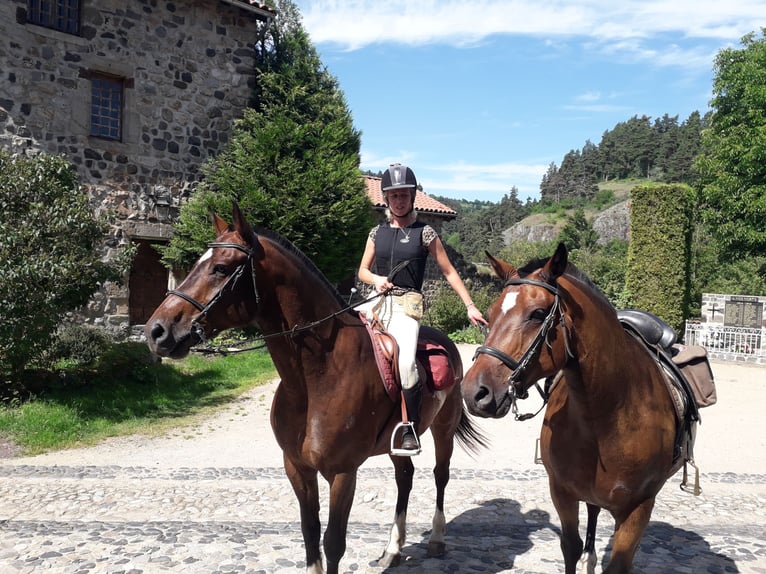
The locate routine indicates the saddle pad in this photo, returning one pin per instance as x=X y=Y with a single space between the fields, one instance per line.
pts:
x=435 y=360
x=432 y=357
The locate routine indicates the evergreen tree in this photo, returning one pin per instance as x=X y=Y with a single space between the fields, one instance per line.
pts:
x=578 y=233
x=292 y=163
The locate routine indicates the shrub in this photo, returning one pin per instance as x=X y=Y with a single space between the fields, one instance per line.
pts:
x=78 y=344
x=49 y=264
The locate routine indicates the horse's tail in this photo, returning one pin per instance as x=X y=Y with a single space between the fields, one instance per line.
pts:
x=469 y=437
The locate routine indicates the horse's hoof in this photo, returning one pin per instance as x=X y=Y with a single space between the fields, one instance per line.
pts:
x=436 y=549
x=389 y=560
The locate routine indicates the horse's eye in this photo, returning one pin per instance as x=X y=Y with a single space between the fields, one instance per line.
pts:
x=538 y=315
x=220 y=270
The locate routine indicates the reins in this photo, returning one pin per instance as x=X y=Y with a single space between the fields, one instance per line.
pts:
x=231 y=283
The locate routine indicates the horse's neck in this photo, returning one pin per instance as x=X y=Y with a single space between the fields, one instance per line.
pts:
x=293 y=301
x=602 y=356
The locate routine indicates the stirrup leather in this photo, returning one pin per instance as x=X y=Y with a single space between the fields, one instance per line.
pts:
x=402 y=451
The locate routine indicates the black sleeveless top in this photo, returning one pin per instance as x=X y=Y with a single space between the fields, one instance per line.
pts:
x=395 y=244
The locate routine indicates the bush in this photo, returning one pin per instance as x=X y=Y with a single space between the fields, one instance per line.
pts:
x=447 y=313
x=78 y=344
x=49 y=263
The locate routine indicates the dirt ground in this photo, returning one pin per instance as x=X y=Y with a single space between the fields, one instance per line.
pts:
x=730 y=438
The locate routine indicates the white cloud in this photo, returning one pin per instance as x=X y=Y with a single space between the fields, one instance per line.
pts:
x=486 y=181
x=615 y=26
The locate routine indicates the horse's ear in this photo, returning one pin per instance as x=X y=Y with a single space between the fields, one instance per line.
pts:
x=502 y=269
x=557 y=264
x=220 y=225
x=240 y=223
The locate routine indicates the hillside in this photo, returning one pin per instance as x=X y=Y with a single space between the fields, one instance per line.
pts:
x=610 y=220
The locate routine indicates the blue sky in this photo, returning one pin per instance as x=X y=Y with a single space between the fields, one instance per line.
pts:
x=478 y=97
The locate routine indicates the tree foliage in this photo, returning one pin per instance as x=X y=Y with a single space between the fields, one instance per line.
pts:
x=578 y=232
x=481 y=224
x=292 y=163
x=732 y=165
x=661 y=150
x=49 y=263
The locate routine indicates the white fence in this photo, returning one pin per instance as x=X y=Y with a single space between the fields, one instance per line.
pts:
x=728 y=343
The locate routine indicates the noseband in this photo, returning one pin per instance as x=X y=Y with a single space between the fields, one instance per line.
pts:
x=228 y=286
x=519 y=367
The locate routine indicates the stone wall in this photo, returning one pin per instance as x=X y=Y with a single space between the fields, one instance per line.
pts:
x=187 y=68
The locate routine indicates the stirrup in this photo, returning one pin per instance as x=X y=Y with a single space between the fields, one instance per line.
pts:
x=695 y=490
x=403 y=451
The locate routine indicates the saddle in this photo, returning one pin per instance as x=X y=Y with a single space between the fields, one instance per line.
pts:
x=688 y=378
x=434 y=364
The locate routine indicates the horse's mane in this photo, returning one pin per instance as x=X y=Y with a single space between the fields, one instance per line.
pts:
x=310 y=266
x=571 y=270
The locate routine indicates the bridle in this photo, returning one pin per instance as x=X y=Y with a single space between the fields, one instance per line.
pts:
x=230 y=284
x=518 y=368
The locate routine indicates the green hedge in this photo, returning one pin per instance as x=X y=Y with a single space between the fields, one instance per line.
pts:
x=659 y=253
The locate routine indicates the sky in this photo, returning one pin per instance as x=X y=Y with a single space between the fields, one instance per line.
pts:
x=480 y=96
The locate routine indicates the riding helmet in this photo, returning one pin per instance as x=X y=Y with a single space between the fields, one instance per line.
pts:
x=398 y=176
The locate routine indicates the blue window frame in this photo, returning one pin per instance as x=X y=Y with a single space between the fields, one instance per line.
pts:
x=62 y=15
x=106 y=107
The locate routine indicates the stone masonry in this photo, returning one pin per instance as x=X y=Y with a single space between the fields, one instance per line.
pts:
x=186 y=68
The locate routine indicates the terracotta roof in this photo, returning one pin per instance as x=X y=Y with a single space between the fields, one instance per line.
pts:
x=423 y=202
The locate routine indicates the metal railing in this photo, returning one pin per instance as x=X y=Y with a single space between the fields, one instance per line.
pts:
x=728 y=343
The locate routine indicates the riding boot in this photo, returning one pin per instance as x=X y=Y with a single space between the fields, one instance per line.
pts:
x=412 y=400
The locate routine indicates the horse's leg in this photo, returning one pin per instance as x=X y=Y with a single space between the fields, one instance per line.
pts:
x=443 y=445
x=306 y=488
x=342 y=488
x=589 y=558
x=567 y=508
x=627 y=535
x=404 y=469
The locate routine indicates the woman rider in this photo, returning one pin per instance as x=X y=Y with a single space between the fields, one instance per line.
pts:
x=389 y=245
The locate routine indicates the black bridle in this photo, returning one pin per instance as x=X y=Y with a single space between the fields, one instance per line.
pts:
x=230 y=284
x=515 y=391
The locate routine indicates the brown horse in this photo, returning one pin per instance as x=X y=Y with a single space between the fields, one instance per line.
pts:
x=609 y=433
x=330 y=411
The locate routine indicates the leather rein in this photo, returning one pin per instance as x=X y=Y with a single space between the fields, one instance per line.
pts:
x=231 y=283
x=518 y=368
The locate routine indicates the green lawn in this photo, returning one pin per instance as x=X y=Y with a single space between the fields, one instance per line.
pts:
x=124 y=394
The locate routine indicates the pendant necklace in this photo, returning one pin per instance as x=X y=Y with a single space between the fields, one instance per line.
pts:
x=406 y=238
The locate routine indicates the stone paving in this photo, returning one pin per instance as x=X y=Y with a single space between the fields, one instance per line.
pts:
x=136 y=520
x=180 y=503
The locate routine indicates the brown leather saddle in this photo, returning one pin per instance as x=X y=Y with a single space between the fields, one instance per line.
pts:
x=434 y=364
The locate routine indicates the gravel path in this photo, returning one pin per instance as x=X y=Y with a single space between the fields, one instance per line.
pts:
x=213 y=498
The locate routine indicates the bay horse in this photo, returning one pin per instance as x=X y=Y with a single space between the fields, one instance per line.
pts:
x=608 y=436
x=330 y=411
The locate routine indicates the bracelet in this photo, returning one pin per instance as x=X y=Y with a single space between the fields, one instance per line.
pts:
x=470 y=304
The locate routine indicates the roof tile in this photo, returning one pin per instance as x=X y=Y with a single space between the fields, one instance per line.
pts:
x=423 y=202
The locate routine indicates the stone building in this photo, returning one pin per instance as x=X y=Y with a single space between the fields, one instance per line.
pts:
x=137 y=95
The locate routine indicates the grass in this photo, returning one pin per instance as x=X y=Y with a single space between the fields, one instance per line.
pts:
x=124 y=393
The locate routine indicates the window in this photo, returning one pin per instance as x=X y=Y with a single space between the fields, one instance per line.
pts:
x=63 y=15
x=106 y=107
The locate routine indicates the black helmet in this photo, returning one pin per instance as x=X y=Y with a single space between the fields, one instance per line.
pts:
x=398 y=176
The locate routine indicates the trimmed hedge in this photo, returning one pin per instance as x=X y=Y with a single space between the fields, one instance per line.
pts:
x=658 y=275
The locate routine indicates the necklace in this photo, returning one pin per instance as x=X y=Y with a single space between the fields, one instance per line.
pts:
x=406 y=238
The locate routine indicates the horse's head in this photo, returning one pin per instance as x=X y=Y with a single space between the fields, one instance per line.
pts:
x=527 y=337
x=212 y=298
